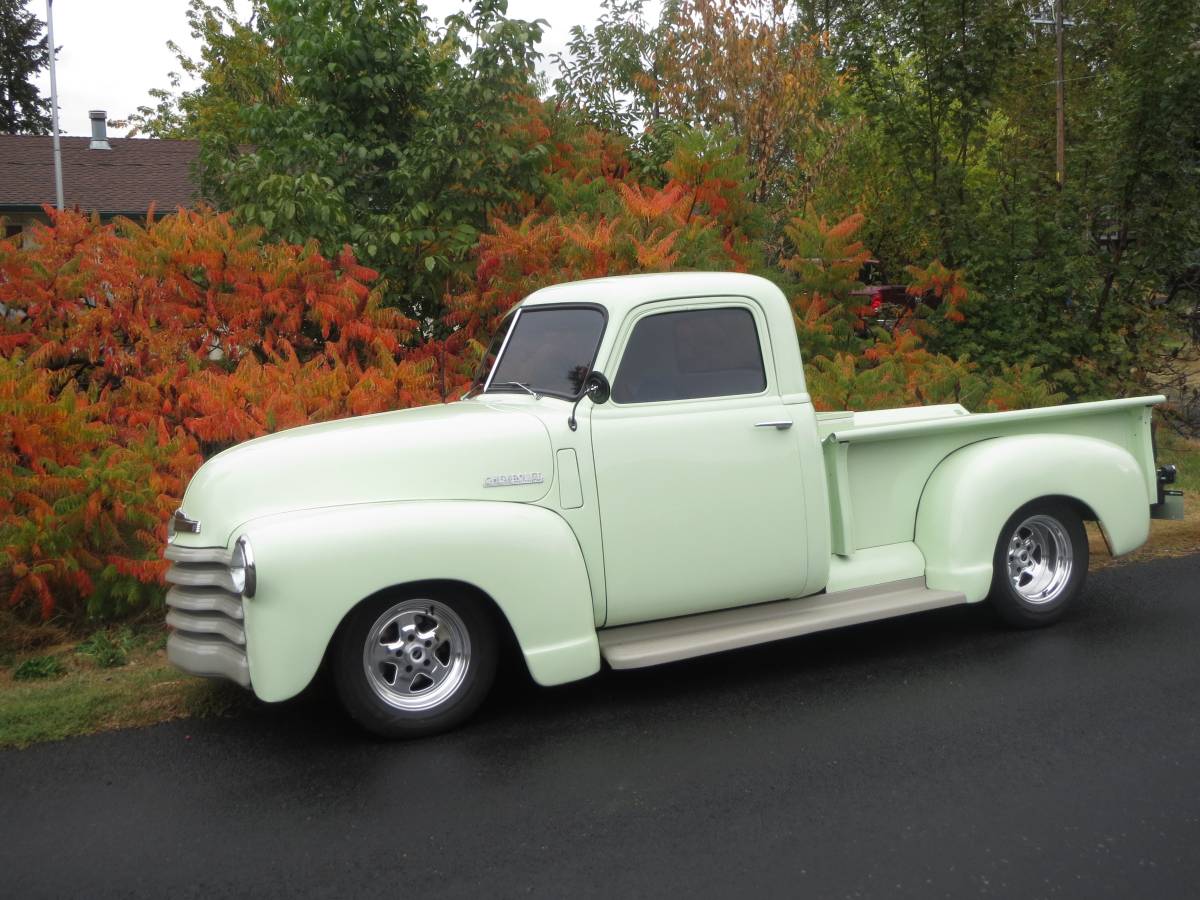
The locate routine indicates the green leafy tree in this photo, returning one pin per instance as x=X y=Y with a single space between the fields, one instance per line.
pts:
x=23 y=53
x=1133 y=177
x=957 y=162
x=397 y=140
x=235 y=68
x=926 y=73
x=608 y=74
x=1092 y=278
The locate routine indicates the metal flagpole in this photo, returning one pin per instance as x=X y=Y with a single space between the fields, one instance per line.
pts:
x=58 y=188
x=1060 y=115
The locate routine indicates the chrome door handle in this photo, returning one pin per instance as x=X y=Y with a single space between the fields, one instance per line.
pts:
x=781 y=425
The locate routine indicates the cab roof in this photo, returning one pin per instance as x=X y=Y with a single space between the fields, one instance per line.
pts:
x=621 y=293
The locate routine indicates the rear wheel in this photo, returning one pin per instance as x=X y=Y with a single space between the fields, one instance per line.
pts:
x=416 y=665
x=1040 y=563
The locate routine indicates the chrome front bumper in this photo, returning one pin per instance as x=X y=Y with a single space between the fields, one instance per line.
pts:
x=206 y=615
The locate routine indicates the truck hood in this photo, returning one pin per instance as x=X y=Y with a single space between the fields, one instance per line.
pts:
x=460 y=451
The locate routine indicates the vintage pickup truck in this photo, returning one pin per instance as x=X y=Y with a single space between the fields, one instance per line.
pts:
x=694 y=504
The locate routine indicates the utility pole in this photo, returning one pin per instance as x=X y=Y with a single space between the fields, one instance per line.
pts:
x=1059 y=24
x=58 y=188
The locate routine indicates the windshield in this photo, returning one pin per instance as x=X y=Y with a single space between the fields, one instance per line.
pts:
x=549 y=350
x=493 y=350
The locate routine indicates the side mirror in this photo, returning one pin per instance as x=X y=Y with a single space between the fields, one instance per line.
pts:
x=596 y=388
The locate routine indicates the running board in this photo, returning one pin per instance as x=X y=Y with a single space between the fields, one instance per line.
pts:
x=667 y=640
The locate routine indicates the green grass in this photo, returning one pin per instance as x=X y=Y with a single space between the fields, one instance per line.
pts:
x=86 y=690
x=107 y=652
x=1185 y=454
x=110 y=648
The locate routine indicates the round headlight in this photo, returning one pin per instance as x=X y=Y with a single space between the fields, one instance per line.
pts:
x=241 y=568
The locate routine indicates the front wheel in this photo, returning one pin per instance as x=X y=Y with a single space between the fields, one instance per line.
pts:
x=1040 y=564
x=415 y=666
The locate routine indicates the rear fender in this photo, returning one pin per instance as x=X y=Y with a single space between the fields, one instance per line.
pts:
x=313 y=567
x=973 y=492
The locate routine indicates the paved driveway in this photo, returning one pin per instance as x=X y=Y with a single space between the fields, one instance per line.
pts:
x=939 y=755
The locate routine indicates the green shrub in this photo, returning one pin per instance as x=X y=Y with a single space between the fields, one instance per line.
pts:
x=38 y=667
x=106 y=652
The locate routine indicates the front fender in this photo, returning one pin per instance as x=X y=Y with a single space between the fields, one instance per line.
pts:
x=314 y=566
x=973 y=492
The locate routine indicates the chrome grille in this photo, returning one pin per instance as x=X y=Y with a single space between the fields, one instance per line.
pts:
x=206 y=615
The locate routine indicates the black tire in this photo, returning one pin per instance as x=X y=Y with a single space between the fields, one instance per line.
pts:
x=1049 y=550
x=410 y=709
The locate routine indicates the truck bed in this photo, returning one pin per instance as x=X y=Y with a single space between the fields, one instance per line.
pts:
x=877 y=463
x=846 y=420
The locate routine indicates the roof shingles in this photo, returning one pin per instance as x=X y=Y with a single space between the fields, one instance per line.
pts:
x=131 y=176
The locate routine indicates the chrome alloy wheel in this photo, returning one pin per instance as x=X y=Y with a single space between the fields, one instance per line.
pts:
x=417 y=654
x=1040 y=559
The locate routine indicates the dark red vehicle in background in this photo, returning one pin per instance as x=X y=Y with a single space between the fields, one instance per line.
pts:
x=886 y=305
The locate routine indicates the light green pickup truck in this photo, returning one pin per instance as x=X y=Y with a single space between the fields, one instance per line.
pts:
x=637 y=476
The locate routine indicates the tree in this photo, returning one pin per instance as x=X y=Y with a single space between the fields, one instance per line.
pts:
x=608 y=75
x=956 y=162
x=745 y=65
x=889 y=368
x=396 y=140
x=745 y=68
x=23 y=54
x=1134 y=177
x=236 y=68
x=927 y=73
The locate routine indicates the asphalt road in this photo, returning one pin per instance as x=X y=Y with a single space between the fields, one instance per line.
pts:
x=939 y=755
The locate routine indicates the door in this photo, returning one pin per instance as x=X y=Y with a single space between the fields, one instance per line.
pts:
x=701 y=498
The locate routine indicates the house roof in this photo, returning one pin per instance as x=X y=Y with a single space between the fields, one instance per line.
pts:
x=134 y=174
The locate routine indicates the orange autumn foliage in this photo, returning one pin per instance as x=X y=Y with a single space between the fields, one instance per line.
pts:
x=129 y=353
x=596 y=220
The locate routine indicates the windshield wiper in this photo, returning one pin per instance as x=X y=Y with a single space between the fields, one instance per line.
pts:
x=526 y=388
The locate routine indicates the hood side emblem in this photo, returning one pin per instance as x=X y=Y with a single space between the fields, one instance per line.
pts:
x=513 y=480
x=183 y=523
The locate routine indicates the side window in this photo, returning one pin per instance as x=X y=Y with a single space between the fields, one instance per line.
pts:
x=691 y=354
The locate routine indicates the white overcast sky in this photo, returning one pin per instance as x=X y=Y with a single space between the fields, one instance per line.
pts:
x=112 y=52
